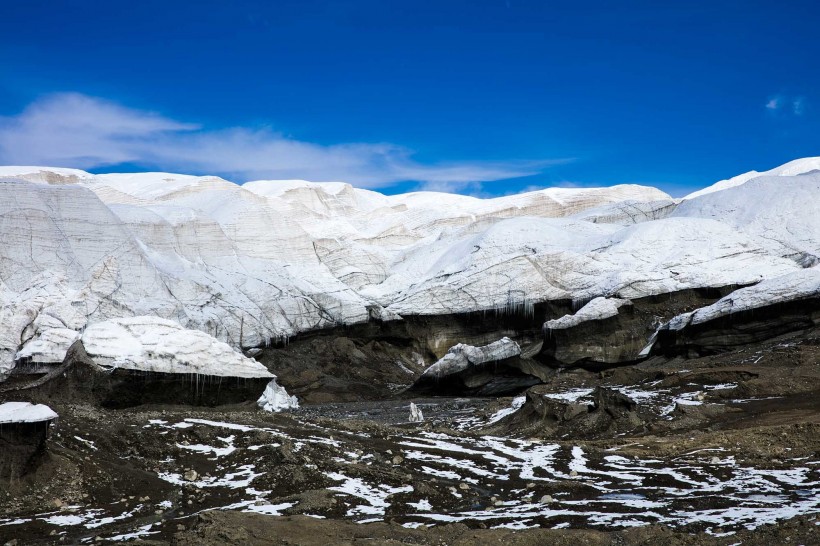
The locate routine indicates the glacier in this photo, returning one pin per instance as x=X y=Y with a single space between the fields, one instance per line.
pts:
x=122 y=261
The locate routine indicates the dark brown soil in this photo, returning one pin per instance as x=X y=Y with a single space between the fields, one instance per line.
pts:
x=743 y=425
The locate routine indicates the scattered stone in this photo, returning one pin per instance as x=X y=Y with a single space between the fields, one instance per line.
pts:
x=546 y=499
x=190 y=475
x=463 y=486
x=398 y=459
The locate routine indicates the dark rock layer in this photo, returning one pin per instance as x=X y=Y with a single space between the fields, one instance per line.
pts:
x=736 y=330
x=618 y=340
x=80 y=378
x=22 y=445
x=495 y=378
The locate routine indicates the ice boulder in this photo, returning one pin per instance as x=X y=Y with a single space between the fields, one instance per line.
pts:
x=25 y=412
x=152 y=344
x=488 y=370
x=152 y=360
x=598 y=309
x=416 y=416
x=276 y=398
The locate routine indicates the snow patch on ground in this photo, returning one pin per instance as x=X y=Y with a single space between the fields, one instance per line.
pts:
x=516 y=404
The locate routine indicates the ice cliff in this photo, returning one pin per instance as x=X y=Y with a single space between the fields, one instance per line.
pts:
x=84 y=254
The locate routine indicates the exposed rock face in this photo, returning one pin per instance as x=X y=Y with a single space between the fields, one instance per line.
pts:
x=595 y=335
x=23 y=432
x=771 y=308
x=609 y=332
x=159 y=363
x=489 y=370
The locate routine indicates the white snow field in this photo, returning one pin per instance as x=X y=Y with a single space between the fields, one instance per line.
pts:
x=247 y=264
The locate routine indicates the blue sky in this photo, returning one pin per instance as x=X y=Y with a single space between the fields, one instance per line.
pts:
x=483 y=97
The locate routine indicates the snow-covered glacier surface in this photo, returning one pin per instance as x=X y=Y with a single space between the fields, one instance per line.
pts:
x=249 y=263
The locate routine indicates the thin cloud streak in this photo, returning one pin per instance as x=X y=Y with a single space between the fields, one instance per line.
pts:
x=74 y=130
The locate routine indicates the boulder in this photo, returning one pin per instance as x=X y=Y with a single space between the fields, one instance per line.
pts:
x=601 y=413
x=23 y=433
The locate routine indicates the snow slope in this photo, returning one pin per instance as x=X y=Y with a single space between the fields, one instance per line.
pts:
x=269 y=259
x=792 y=168
x=779 y=212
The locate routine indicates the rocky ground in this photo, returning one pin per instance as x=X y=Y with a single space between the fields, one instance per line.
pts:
x=712 y=450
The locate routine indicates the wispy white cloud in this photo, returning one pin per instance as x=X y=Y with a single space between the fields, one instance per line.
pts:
x=773 y=103
x=786 y=105
x=74 y=130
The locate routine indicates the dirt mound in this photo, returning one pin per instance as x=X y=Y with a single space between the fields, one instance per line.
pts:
x=604 y=412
